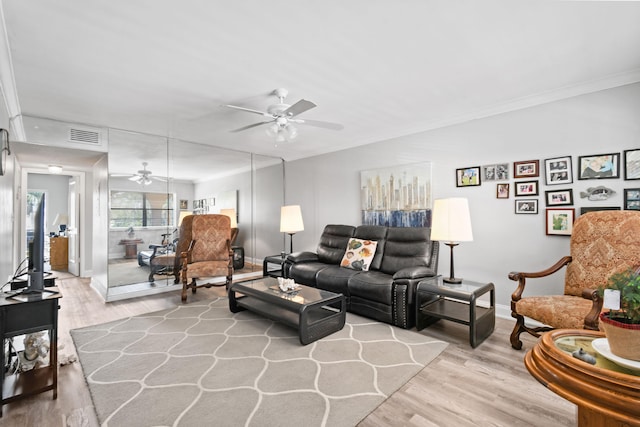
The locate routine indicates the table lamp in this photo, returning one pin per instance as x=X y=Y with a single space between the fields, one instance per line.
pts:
x=451 y=223
x=291 y=221
x=231 y=213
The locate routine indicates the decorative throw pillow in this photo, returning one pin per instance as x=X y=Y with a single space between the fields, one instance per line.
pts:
x=359 y=254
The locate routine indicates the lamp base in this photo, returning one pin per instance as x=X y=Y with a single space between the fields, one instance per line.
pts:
x=454 y=280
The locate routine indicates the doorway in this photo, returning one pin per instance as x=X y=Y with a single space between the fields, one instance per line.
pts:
x=62 y=216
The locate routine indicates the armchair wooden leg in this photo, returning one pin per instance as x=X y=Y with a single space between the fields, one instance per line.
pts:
x=517 y=330
x=184 y=288
x=520 y=327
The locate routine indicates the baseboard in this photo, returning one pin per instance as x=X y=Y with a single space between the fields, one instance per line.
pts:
x=98 y=287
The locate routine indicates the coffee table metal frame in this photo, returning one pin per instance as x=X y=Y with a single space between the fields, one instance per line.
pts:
x=437 y=300
x=315 y=313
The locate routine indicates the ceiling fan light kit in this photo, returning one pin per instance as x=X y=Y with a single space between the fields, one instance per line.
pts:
x=143 y=176
x=281 y=116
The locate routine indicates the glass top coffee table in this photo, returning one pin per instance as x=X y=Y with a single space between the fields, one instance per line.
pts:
x=315 y=313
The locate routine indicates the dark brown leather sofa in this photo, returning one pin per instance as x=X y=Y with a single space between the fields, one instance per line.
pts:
x=385 y=292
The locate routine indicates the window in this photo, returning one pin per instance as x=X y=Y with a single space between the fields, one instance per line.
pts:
x=138 y=209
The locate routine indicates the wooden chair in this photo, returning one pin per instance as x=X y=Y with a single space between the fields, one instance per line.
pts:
x=208 y=254
x=602 y=243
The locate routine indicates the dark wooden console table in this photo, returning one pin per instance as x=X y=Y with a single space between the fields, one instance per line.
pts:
x=25 y=316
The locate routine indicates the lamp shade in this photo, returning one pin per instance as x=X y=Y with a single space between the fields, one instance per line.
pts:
x=231 y=213
x=451 y=221
x=291 y=219
x=182 y=216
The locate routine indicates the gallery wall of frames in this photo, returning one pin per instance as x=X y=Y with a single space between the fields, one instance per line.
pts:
x=523 y=180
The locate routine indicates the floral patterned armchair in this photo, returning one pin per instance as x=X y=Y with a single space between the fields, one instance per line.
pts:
x=602 y=243
x=208 y=254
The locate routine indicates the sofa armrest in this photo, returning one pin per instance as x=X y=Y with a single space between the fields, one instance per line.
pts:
x=412 y=273
x=298 y=257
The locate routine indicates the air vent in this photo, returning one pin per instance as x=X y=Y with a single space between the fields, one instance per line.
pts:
x=84 y=136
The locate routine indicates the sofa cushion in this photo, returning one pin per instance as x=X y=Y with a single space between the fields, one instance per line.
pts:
x=333 y=243
x=407 y=247
x=335 y=279
x=377 y=233
x=373 y=286
x=359 y=254
x=305 y=273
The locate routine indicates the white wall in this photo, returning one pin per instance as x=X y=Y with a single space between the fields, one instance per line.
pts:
x=100 y=224
x=57 y=190
x=327 y=186
x=7 y=228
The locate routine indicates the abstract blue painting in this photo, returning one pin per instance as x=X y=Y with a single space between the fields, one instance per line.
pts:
x=397 y=197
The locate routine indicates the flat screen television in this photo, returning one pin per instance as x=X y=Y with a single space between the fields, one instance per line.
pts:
x=36 y=254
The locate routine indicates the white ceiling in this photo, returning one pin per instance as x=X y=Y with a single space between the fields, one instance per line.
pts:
x=383 y=69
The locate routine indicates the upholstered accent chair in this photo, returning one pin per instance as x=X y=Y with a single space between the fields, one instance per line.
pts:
x=602 y=243
x=208 y=254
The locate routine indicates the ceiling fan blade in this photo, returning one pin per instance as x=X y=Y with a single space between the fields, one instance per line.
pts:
x=250 y=126
x=135 y=178
x=298 y=108
x=321 y=124
x=249 y=110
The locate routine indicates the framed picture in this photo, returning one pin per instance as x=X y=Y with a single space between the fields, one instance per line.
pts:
x=526 y=188
x=502 y=191
x=632 y=164
x=559 y=197
x=468 y=177
x=631 y=199
x=499 y=172
x=558 y=170
x=528 y=169
x=559 y=221
x=489 y=172
x=599 y=166
x=184 y=205
x=588 y=209
x=527 y=206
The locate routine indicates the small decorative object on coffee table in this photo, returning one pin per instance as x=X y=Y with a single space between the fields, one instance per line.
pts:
x=287 y=285
x=315 y=313
x=436 y=299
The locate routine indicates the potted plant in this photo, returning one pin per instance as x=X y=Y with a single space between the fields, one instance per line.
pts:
x=621 y=323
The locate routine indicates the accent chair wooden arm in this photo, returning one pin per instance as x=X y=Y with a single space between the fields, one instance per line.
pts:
x=521 y=277
x=592 y=319
x=186 y=255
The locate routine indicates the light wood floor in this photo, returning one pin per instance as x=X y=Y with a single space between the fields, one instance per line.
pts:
x=486 y=386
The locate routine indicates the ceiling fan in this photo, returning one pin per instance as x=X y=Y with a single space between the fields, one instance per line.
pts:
x=281 y=117
x=143 y=176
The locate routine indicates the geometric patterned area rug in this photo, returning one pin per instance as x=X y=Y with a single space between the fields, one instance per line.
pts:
x=199 y=364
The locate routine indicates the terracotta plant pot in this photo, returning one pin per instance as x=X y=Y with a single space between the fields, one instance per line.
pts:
x=623 y=338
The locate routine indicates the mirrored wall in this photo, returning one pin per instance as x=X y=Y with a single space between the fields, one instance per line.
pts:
x=155 y=181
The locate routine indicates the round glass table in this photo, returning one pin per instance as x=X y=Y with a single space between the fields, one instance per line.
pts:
x=607 y=394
